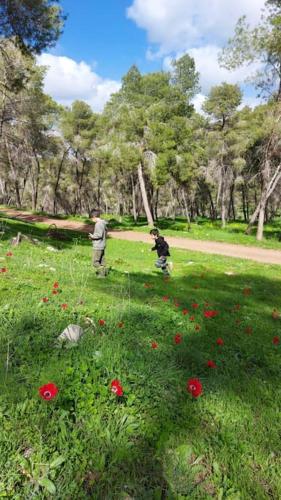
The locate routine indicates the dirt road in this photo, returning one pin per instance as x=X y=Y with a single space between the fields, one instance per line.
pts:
x=263 y=255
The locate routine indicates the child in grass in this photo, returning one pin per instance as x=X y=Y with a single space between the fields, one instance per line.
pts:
x=99 y=243
x=162 y=248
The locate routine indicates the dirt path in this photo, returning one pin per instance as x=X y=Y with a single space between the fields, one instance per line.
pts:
x=212 y=247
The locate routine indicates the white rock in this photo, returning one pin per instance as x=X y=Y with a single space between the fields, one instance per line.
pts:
x=71 y=333
x=52 y=249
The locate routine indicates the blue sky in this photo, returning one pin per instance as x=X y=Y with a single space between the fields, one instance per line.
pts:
x=99 y=31
x=102 y=39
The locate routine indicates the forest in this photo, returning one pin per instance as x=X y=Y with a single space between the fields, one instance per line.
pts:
x=148 y=153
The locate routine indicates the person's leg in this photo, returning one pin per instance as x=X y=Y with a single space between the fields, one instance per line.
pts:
x=164 y=266
x=97 y=257
x=103 y=269
x=161 y=263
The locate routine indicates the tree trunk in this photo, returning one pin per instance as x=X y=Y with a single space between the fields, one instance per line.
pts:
x=135 y=215
x=186 y=209
x=14 y=175
x=244 y=204
x=144 y=197
x=223 y=207
x=58 y=181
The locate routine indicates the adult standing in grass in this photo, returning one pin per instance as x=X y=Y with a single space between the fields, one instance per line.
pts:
x=98 y=238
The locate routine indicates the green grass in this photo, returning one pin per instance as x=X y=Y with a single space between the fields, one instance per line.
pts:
x=203 y=229
x=155 y=442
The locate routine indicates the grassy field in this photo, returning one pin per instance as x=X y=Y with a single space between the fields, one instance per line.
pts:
x=202 y=229
x=156 y=441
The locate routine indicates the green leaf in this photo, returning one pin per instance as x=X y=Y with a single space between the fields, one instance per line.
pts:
x=48 y=485
x=57 y=461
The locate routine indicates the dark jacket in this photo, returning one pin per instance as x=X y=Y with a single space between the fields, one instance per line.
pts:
x=162 y=247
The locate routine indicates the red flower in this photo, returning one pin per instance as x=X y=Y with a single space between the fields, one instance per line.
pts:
x=64 y=306
x=210 y=314
x=45 y=300
x=211 y=364
x=249 y=330
x=195 y=305
x=197 y=328
x=220 y=341
x=276 y=340
x=121 y=324
x=194 y=386
x=165 y=298
x=48 y=391
x=56 y=285
x=185 y=312
x=275 y=314
x=178 y=338
x=247 y=291
x=192 y=318
x=177 y=304
x=154 y=345
x=116 y=387
x=55 y=292
x=3 y=270
x=101 y=322
x=9 y=254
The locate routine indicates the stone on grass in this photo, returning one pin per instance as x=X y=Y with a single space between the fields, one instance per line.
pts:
x=52 y=249
x=72 y=333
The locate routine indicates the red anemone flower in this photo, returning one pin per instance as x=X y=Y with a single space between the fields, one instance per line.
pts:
x=48 y=391
x=56 y=284
x=276 y=340
x=165 y=298
x=3 y=270
x=9 y=254
x=55 y=292
x=194 y=387
x=220 y=341
x=192 y=318
x=249 y=330
x=116 y=387
x=101 y=322
x=275 y=314
x=154 y=345
x=178 y=338
x=185 y=312
x=195 y=305
x=121 y=324
x=45 y=300
x=64 y=306
x=210 y=314
x=211 y=364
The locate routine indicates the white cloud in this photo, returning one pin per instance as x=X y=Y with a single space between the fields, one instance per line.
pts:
x=206 y=61
x=181 y=24
x=198 y=102
x=248 y=100
x=67 y=80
